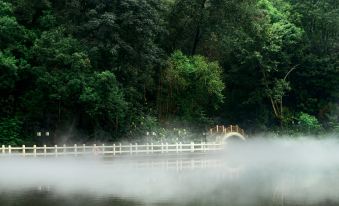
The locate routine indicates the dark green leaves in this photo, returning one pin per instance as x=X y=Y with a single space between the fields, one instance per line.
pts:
x=111 y=67
x=103 y=100
x=192 y=86
x=10 y=131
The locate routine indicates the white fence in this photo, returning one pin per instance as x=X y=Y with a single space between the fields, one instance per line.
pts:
x=114 y=149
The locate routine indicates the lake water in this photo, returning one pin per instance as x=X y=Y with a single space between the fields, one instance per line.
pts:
x=230 y=192
x=259 y=173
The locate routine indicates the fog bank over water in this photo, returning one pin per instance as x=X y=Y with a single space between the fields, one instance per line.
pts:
x=301 y=171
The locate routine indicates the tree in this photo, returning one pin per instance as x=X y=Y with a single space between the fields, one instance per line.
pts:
x=10 y=131
x=109 y=68
x=13 y=52
x=103 y=101
x=192 y=86
x=275 y=60
x=201 y=27
x=319 y=62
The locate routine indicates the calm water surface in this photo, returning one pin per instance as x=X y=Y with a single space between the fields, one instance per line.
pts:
x=282 y=173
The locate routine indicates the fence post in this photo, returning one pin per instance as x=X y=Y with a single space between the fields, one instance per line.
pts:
x=152 y=150
x=103 y=149
x=64 y=149
x=130 y=149
x=176 y=147
x=75 y=150
x=180 y=146
x=34 y=150
x=56 y=150
x=202 y=146
x=83 y=148
x=120 y=148
x=136 y=148
x=147 y=148
x=192 y=146
x=45 y=150
x=3 y=149
x=9 y=149
x=162 y=147
x=113 y=149
x=94 y=149
x=23 y=151
x=166 y=147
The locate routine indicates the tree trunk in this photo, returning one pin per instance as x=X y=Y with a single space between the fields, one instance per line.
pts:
x=196 y=40
x=198 y=28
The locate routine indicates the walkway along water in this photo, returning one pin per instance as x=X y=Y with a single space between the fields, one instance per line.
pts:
x=219 y=134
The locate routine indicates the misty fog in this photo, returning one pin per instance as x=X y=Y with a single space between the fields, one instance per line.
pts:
x=287 y=170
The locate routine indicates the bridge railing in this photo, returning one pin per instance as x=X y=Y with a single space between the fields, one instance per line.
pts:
x=221 y=129
x=114 y=149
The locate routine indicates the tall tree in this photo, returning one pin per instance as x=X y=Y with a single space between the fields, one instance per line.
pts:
x=319 y=62
x=192 y=87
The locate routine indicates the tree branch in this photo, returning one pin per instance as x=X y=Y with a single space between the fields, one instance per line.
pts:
x=288 y=73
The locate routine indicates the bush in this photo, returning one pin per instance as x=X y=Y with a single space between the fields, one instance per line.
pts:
x=308 y=123
x=10 y=130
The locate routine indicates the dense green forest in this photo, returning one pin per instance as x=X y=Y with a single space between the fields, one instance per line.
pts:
x=114 y=69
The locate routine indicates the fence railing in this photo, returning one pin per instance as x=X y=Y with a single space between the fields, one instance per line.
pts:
x=114 y=149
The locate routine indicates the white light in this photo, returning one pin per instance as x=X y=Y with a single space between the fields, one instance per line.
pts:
x=47 y=134
x=38 y=134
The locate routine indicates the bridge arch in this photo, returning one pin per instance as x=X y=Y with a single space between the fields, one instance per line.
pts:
x=232 y=134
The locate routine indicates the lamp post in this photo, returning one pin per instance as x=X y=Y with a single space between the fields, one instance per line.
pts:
x=41 y=134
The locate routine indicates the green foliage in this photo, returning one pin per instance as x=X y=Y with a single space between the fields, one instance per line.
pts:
x=141 y=125
x=193 y=86
x=279 y=89
x=11 y=36
x=103 y=101
x=10 y=131
x=9 y=73
x=332 y=118
x=319 y=63
x=114 y=68
x=308 y=123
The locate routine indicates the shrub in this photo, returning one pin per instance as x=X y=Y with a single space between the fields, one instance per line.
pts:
x=308 y=123
x=10 y=130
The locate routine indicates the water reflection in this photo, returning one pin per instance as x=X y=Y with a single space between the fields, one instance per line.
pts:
x=38 y=198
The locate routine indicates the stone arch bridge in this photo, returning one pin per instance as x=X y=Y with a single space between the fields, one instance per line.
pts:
x=220 y=133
